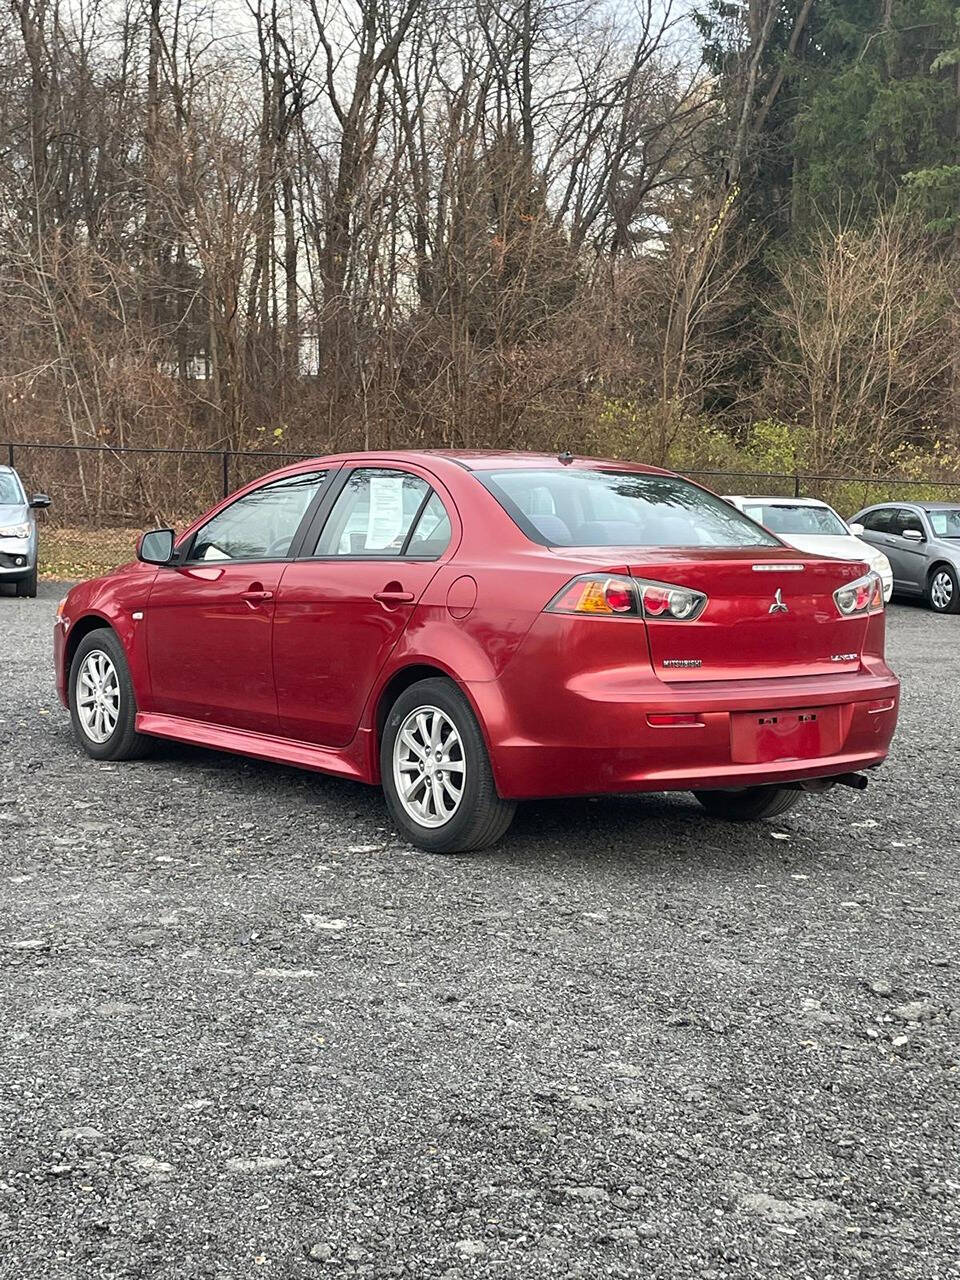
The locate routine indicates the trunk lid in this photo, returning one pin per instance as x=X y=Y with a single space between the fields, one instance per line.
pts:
x=770 y=612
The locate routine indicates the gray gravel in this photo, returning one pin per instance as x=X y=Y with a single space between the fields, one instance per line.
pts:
x=246 y=1032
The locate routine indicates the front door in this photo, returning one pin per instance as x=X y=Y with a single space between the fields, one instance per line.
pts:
x=342 y=610
x=209 y=620
x=907 y=556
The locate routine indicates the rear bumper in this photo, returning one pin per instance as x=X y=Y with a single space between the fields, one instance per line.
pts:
x=594 y=740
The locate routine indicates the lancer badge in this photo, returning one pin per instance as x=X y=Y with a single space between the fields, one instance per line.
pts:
x=778 y=605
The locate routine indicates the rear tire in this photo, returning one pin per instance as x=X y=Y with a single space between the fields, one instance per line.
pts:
x=28 y=586
x=750 y=805
x=461 y=812
x=100 y=680
x=943 y=589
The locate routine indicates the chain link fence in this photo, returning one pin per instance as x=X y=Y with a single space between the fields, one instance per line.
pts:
x=103 y=497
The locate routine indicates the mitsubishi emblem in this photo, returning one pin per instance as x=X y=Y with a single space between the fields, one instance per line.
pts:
x=778 y=605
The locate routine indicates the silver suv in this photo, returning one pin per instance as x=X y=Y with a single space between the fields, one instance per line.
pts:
x=18 y=533
x=922 y=542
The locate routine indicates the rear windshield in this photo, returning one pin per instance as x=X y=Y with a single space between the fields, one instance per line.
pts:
x=783 y=518
x=946 y=523
x=567 y=508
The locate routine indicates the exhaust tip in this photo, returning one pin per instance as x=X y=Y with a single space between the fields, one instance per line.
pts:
x=858 y=781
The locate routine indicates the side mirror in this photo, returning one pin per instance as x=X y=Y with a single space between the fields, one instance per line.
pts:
x=912 y=535
x=856 y=529
x=39 y=502
x=156 y=546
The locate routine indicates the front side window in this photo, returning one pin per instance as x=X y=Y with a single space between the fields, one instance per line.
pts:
x=946 y=522
x=905 y=520
x=261 y=525
x=373 y=514
x=878 y=521
x=781 y=517
x=619 y=508
x=11 y=494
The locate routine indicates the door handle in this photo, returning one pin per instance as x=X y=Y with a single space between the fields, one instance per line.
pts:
x=255 y=596
x=394 y=597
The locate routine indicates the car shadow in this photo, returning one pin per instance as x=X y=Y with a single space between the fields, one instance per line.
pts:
x=651 y=830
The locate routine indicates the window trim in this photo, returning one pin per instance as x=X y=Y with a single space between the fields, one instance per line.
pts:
x=184 y=554
x=313 y=533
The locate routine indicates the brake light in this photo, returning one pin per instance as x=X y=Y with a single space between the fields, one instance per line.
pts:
x=863 y=596
x=660 y=600
x=611 y=595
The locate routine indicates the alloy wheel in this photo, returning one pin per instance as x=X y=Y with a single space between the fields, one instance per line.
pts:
x=98 y=696
x=941 y=590
x=429 y=766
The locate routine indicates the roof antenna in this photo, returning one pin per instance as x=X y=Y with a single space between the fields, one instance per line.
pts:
x=565 y=458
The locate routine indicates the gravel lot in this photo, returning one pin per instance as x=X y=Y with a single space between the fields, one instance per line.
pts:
x=246 y=1033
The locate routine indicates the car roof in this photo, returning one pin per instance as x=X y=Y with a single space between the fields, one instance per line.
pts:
x=483 y=460
x=776 y=500
x=905 y=502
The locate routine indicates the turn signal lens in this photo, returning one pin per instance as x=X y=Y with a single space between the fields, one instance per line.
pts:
x=605 y=595
x=863 y=596
x=613 y=594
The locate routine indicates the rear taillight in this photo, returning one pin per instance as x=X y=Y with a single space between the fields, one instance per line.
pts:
x=661 y=600
x=598 y=594
x=614 y=595
x=863 y=596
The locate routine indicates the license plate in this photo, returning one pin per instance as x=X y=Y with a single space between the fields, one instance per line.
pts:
x=761 y=737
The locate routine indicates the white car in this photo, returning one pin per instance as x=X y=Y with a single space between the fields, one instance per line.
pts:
x=811 y=525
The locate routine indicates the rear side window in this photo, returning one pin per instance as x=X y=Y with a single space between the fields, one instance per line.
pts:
x=431 y=534
x=374 y=514
x=619 y=508
x=878 y=521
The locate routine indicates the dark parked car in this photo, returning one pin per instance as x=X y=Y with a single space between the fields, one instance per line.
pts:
x=922 y=542
x=18 y=533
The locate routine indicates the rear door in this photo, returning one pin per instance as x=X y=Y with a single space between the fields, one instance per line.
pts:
x=766 y=616
x=342 y=607
x=209 y=620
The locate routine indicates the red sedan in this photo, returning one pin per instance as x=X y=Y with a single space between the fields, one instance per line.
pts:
x=473 y=629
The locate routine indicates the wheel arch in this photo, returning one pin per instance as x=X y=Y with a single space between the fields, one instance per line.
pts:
x=942 y=563
x=82 y=627
x=400 y=680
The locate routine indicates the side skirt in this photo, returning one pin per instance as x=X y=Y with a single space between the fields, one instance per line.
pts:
x=346 y=762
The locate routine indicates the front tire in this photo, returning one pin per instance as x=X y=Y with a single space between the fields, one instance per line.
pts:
x=436 y=773
x=750 y=805
x=943 y=590
x=28 y=586
x=103 y=707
